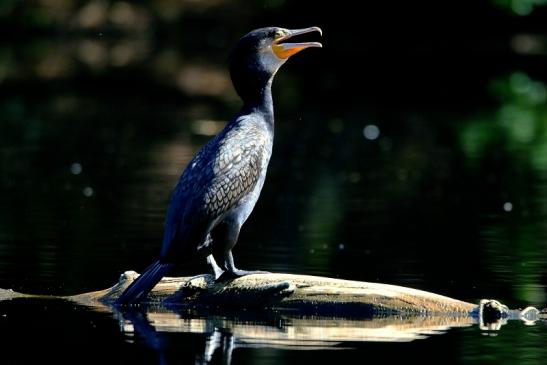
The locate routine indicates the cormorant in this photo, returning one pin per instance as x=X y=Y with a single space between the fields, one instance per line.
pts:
x=220 y=186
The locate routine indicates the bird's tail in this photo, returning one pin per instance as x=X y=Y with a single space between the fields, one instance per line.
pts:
x=138 y=289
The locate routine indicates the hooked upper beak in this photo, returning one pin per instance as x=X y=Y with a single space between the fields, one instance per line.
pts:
x=286 y=50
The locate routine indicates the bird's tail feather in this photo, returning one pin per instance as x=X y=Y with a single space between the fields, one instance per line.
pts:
x=139 y=288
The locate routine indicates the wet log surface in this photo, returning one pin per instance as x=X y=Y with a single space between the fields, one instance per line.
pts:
x=300 y=293
x=297 y=295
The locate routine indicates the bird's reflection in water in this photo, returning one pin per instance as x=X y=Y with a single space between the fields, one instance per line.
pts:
x=156 y=330
x=224 y=334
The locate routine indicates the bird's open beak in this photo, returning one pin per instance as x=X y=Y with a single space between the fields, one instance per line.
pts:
x=286 y=50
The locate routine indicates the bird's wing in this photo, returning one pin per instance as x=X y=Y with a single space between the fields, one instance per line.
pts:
x=188 y=193
x=236 y=172
x=223 y=172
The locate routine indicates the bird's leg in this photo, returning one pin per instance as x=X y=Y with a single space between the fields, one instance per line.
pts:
x=217 y=271
x=231 y=272
x=224 y=237
x=204 y=250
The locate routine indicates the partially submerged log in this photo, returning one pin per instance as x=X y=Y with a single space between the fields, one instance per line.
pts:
x=311 y=307
x=296 y=294
x=300 y=293
x=304 y=311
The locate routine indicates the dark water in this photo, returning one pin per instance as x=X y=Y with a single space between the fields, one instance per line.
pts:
x=415 y=156
x=47 y=329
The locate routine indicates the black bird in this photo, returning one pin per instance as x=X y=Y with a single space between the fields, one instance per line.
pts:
x=220 y=186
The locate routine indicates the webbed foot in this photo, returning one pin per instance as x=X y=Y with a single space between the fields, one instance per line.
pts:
x=230 y=275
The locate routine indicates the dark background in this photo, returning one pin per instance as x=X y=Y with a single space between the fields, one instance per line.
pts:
x=103 y=103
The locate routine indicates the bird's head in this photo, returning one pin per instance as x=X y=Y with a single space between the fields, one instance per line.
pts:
x=259 y=54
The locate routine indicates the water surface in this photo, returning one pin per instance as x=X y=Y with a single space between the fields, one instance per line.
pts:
x=417 y=158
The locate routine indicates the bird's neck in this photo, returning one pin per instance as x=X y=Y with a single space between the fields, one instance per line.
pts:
x=261 y=103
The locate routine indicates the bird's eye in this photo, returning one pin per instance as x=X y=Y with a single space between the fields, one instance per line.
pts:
x=279 y=34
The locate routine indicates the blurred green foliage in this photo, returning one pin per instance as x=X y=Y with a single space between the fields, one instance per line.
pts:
x=520 y=7
x=518 y=126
